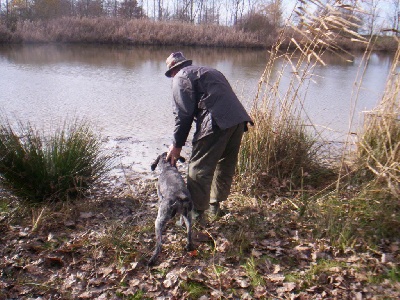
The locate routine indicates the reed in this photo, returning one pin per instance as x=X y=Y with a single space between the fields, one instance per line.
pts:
x=132 y=32
x=364 y=206
x=60 y=167
x=252 y=32
x=280 y=149
x=284 y=145
x=379 y=142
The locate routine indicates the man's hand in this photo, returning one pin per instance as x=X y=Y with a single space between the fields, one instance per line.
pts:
x=173 y=154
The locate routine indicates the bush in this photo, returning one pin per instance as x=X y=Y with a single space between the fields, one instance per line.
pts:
x=61 y=167
x=260 y=25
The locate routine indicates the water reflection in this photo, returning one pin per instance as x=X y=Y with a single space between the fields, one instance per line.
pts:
x=123 y=90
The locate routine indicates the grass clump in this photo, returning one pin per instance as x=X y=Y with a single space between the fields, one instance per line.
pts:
x=252 y=272
x=277 y=153
x=60 y=167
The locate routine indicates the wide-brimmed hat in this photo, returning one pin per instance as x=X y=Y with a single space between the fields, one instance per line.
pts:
x=176 y=59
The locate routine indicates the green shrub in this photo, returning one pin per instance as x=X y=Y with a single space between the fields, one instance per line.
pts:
x=60 y=167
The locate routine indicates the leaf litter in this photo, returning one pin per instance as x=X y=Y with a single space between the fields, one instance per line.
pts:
x=98 y=249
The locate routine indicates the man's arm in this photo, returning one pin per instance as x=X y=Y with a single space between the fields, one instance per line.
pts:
x=184 y=111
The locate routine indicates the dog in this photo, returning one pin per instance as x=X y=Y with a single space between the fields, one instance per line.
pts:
x=174 y=197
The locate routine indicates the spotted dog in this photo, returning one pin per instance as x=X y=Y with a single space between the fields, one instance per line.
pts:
x=173 y=198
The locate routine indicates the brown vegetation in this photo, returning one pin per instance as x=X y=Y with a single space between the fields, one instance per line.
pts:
x=250 y=33
x=132 y=32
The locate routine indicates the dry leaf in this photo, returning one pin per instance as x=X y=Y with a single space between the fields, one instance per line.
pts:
x=170 y=279
x=86 y=215
x=105 y=271
x=276 y=277
x=277 y=269
x=287 y=287
x=256 y=253
x=223 y=245
x=243 y=282
x=134 y=282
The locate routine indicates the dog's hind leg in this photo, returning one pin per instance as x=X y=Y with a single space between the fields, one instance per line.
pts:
x=160 y=223
x=187 y=217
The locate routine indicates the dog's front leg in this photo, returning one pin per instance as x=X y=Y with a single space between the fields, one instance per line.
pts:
x=187 y=218
x=160 y=223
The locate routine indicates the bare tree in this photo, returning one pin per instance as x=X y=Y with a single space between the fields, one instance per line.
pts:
x=160 y=10
x=129 y=9
x=371 y=15
x=252 y=6
x=273 y=11
x=237 y=10
x=185 y=11
x=208 y=12
x=46 y=9
x=394 y=15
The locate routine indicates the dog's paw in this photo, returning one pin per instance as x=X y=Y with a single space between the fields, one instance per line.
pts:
x=151 y=262
x=189 y=247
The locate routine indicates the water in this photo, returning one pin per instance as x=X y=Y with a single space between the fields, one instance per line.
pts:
x=124 y=93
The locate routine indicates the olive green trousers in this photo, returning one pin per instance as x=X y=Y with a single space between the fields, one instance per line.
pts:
x=212 y=166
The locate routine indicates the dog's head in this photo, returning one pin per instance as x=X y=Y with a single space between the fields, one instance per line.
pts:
x=162 y=158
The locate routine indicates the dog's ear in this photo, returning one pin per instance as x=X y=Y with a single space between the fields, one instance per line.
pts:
x=181 y=159
x=155 y=163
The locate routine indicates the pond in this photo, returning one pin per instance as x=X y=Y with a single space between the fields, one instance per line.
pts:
x=124 y=93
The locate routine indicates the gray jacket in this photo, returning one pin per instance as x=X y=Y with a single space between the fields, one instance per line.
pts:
x=203 y=95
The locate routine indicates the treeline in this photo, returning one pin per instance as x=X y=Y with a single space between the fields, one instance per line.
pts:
x=258 y=20
x=129 y=32
x=373 y=15
x=50 y=9
x=227 y=12
x=226 y=23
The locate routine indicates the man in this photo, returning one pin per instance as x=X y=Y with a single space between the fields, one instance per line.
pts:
x=203 y=95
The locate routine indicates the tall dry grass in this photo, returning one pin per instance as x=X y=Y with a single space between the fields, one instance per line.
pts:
x=361 y=201
x=283 y=148
x=133 y=32
x=379 y=143
x=363 y=205
x=147 y=32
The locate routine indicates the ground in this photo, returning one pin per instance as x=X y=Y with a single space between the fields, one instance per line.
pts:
x=97 y=248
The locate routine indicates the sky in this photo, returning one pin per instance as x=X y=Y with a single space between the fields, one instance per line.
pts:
x=288 y=6
x=385 y=11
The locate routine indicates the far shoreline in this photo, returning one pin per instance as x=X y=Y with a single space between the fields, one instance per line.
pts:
x=141 y=32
